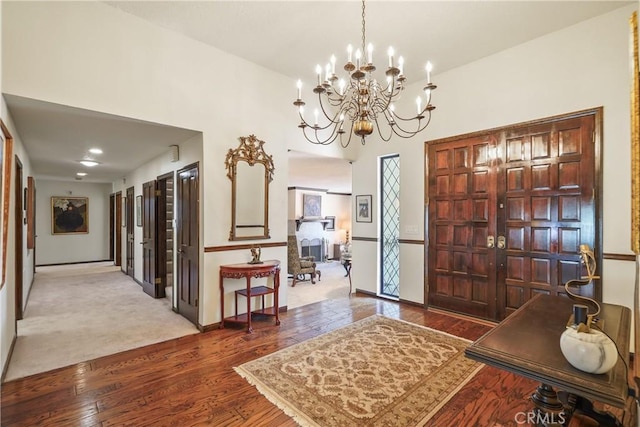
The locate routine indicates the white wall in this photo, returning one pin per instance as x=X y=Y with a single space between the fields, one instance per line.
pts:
x=580 y=67
x=8 y=291
x=93 y=56
x=68 y=248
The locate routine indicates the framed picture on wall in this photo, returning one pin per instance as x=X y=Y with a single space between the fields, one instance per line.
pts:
x=363 y=208
x=69 y=215
x=311 y=205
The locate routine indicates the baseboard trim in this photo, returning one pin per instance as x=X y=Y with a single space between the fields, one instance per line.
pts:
x=70 y=263
x=209 y=328
x=412 y=303
x=436 y=310
x=5 y=368
x=457 y=315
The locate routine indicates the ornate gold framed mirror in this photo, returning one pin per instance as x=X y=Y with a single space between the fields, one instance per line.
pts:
x=250 y=170
x=635 y=134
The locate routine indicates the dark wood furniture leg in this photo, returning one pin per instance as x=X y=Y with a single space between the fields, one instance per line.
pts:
x=584 y=406
x=249 y=328
x=276 y=303
x=549 y=408
x=221 y=300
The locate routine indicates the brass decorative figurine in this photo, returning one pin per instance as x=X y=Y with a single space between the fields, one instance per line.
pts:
x=583 y=343
x=255 y=255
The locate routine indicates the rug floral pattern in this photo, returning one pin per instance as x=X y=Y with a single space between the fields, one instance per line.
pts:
x=375 y=372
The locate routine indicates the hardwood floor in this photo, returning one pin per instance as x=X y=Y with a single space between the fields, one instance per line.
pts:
x=190 y=380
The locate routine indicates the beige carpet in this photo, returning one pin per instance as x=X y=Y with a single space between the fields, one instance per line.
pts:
x=332 y=285
x=79 y=312
x=375 y=372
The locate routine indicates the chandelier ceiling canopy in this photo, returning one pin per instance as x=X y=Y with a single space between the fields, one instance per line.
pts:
x=361 y=103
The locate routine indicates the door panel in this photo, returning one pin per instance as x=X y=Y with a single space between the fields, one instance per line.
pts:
x=508 y=210
x=112 y=222
x=129 y=217
x=19 y=240
x=188 y=243
x=118 y=230
x=152 y=283
x=460 y=209
x=547 y=184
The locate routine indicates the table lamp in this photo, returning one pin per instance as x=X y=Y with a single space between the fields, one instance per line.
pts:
x=583 y=343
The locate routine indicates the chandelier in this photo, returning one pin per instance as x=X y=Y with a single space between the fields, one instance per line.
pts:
x=361 y=102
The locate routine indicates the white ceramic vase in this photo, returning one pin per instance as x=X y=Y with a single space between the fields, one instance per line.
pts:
x=592 y=351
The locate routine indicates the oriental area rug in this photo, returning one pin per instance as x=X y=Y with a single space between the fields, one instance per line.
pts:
x=375 y=372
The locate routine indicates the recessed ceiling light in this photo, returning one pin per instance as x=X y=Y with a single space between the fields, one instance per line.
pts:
x=95 y=151
x=89 y=163
x=81 y=174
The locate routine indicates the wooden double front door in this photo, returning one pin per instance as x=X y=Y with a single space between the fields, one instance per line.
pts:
x=507 y=212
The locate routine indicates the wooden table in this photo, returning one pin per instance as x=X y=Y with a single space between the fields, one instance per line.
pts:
x=249 y=271
x=527 y=343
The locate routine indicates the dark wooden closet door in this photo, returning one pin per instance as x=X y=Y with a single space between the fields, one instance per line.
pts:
x=151 y=281
x=130 y=234
x=187 y=186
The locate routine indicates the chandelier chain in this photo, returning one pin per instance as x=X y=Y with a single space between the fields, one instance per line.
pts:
x=364 y=43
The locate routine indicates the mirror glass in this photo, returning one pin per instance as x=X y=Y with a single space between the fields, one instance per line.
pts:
x=250 y=170
x=250 y=199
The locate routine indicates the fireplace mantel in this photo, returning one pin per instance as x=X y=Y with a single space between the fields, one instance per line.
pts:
x=302 y=219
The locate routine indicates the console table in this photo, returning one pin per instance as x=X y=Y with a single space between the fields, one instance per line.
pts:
x=527 y=343
x=249 y=271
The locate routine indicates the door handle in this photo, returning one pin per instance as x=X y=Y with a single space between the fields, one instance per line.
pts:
x=502 y=243
x=490 y=242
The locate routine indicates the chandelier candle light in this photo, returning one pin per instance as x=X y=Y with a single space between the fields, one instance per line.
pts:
x=362 y=100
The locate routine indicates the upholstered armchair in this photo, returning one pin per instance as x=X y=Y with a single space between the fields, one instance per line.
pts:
x=298 y=266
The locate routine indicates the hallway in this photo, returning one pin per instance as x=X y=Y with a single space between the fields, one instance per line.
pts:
x=78 y=312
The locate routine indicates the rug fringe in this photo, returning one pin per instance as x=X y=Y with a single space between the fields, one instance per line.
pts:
x=283 y=405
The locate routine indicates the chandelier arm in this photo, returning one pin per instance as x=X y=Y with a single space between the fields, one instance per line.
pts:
x=350 y=109
x=304 y=125
x=385 y=97
x=381 y=104
x=391 y=132
x=403 y=133
x=332 y=137
x=345 y=145
x=327 y=116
